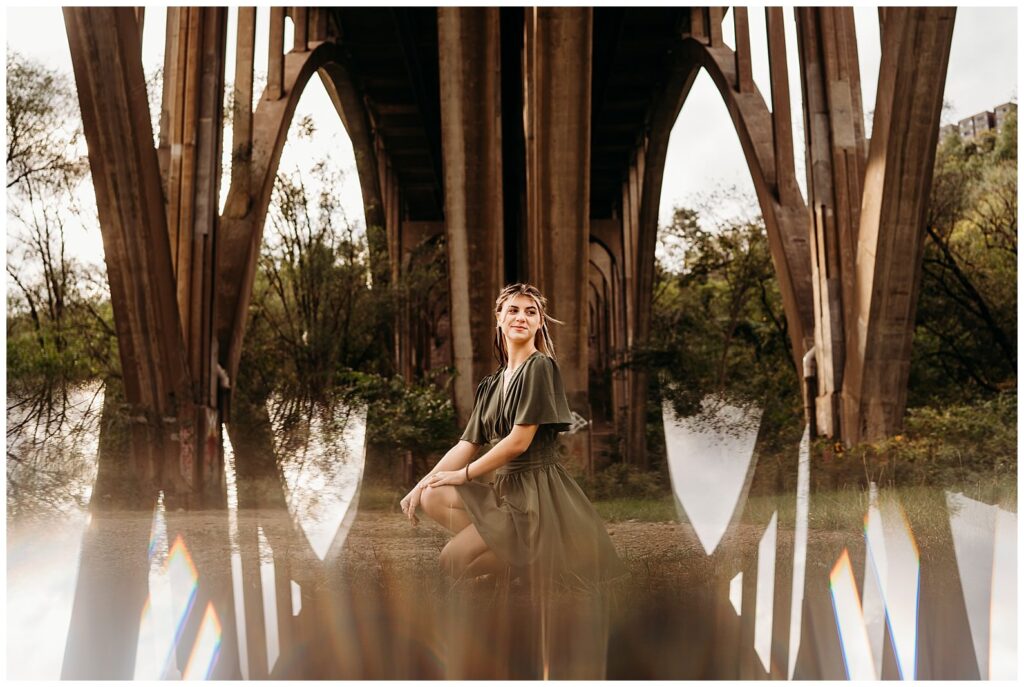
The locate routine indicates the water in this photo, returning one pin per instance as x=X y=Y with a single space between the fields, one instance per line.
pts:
x=773 y=568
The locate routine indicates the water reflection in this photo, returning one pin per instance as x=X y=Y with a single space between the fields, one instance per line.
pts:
x=777 y=569
x=875 y=602
x=710 y=458
x=985 y=541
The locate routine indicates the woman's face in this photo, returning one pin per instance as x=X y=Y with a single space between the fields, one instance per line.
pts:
x=519 y=319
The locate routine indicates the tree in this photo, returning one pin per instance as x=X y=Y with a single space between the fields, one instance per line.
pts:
x=60 y=328
x=314 y=315
x=966 y=331
x=717 y=320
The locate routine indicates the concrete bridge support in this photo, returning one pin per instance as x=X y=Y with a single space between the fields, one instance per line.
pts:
x=836 y=149
x=890 y=239
x=106 y=56
x=557 y=59
x=469 y=53
x=867 y=213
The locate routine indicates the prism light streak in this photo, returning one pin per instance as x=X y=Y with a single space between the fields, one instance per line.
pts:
x=765 y=600
x=972 y=524
x=1002 y=658
x=853 y=637
x=901 y=586
x=268 y=584
x=184 y=578
x=206 y=649
x=736 y=593
x=803 y=490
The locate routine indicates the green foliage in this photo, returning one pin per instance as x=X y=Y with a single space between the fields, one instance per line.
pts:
x=59 y=322
x=966 y=328
x=417 y=416
x=314 y=316
x=969 y=447
x=718 y=326
x=621 y=480
x=322 y=315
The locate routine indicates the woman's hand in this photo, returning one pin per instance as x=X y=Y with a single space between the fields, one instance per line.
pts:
x=412 y=501
x=454 y=478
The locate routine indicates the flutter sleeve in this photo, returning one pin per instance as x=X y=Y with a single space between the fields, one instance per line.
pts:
x=543 y=399
x=475 y=427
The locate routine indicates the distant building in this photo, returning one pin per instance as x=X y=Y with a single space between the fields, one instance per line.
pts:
x=1002 y=112
x=972 y=127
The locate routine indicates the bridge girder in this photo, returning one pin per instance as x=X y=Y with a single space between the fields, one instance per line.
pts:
x=546 y=145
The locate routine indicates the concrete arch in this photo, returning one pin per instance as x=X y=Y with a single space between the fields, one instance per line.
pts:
x=782 y=207
x=248 y=201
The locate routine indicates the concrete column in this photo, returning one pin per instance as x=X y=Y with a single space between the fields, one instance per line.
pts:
x=106 y=57
x=834 y=131
x=557 y=112
x=469 y=50
x=890 y=242
x=194 y=137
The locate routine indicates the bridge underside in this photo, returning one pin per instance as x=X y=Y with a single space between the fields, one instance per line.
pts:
x=533 y=140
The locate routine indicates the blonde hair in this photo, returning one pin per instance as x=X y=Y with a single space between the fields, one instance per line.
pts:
x=542 y=340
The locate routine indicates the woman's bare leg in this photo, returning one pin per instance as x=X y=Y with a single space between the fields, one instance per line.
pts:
x=467 y=555
x=444 y=506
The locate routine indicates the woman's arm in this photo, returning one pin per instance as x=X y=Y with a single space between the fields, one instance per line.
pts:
x=517 y=441
x=456 y=457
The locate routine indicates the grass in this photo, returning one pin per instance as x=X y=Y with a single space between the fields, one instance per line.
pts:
x=637 y=509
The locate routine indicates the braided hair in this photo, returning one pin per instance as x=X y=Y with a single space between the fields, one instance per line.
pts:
x=542 y=340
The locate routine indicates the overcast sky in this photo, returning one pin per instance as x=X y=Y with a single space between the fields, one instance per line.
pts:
x=704 y=153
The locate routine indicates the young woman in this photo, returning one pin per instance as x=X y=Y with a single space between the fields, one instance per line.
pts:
x=533 y=517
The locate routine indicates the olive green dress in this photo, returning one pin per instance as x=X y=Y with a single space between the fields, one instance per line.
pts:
x=534 y=516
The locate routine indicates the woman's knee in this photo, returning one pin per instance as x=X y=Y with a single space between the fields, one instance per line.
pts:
x=432 y=502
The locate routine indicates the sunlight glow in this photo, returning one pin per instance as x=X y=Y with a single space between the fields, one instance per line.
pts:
x=296 y=598
x=1002 y=657
x=323 y=478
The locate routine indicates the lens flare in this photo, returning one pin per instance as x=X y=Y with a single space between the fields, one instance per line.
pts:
x=853 y=637
x=891 y=583
x=765 y=608
x=985 y=542
x=803 y=489
x=736 y=593
x=173 y=584
x=207 y=647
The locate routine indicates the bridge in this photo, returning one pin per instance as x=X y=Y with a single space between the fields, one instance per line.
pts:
x=534 y=141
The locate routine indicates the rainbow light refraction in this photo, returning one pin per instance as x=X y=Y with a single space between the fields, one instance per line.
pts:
x=173 y=585
x=207 y=647
x=892 y=583
x=853 y=637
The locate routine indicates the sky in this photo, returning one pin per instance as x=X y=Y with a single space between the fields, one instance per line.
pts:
x=704 y=154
